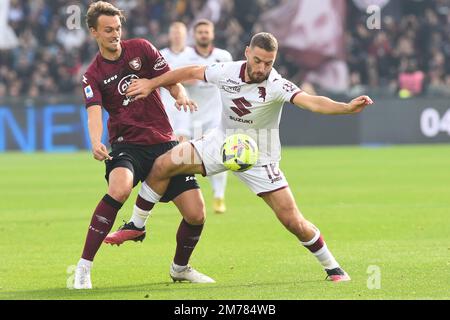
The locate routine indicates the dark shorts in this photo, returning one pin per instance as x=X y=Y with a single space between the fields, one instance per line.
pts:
x=140 y=160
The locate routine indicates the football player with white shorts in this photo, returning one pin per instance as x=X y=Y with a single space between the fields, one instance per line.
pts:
x=253 y=95
x=207 y=97
x=190 y=126
x=180 y=121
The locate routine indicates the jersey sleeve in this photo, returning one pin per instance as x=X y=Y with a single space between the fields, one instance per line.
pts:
x=286 y=90
x=214 y=73
x=157 y=62
x=91 y=92
x=227 y=57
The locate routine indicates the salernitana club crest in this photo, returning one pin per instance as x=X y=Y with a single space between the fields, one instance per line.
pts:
x=136 y=64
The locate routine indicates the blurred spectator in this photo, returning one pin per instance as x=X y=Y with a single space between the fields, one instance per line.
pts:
x=411 y=51
x=411 y=80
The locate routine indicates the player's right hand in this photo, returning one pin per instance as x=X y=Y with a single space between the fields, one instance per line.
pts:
x=100 y=152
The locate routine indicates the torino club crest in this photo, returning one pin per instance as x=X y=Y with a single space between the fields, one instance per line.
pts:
x=262 y=93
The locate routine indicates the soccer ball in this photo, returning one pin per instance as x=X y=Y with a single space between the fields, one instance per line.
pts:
x=239 y=153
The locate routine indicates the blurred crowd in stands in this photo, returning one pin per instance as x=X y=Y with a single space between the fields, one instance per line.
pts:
x=408 y=56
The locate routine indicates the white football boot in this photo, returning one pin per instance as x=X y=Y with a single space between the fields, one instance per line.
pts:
x=82 y=278
x=189 y=274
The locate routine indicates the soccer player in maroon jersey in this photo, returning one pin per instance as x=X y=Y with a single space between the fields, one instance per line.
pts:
x=139 y=132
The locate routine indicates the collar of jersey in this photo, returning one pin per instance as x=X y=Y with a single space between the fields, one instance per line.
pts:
x=114 y=61
x=205 y=57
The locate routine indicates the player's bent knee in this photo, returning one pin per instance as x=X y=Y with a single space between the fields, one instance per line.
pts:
x=195 y=220
x=119 y=194
x=196 y=214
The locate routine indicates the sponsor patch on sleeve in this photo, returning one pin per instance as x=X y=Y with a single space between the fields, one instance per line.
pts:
x=289 y=87
x=160 y=64
x=88 y=92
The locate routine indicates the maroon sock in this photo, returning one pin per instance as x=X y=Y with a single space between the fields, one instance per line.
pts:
x=187 y=238
x=101 y=224
x=143 y=204
x=316 y=246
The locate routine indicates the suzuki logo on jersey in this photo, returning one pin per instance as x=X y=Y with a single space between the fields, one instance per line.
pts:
x=242 y=106
x=262 y=93
x=160 y=64
x=135 y=64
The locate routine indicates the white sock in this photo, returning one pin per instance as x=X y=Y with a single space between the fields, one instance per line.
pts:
x=148 y=194
x=323 y=255
x=178 y=268
x=326 y=259
x=139 y=217
x=219 y=183
x=313 y=240
x=84 y=262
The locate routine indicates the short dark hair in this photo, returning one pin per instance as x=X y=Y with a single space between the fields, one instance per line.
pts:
x=99 y=8
x=203 y=22
x=264 y=40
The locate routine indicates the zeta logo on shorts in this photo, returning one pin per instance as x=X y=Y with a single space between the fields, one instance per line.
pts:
x=190 y=179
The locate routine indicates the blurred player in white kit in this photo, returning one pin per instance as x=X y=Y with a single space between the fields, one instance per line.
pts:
x=180 y=121
x=192 y=126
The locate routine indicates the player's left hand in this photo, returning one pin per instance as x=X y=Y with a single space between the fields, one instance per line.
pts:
x=140 y=88
x=357 y=105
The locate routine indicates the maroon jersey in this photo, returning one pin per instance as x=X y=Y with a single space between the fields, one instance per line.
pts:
x=141 y=122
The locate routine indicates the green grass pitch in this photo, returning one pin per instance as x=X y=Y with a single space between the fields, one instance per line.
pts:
x=387 y=207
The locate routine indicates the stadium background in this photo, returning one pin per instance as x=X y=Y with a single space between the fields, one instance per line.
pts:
x=387 y=206
x=329 y=51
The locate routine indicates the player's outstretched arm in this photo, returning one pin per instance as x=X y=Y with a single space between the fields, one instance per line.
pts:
x=95 y=126
x=141 y=88
x=326 y=105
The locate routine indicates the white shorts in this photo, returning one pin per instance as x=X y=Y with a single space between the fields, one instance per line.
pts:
x=180 y=121
x=199 y=129
x=261 y=179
